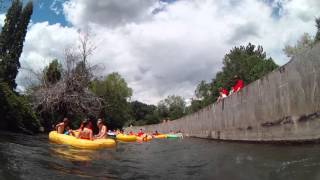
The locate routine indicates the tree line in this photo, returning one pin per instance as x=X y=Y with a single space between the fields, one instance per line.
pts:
x=69 y=88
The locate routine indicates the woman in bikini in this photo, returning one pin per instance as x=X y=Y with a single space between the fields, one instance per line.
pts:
x=85 y=132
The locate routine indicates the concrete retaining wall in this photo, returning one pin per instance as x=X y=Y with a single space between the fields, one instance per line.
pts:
x=283 y=105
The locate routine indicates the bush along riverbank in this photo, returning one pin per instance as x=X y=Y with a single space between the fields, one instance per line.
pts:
x=16 y=113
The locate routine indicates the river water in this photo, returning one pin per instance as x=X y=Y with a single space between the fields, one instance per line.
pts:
x=33 y=157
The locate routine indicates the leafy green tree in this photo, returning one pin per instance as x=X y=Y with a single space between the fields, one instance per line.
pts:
x=173 y=107
x=11 y=40
x=144 y=113
x=195 y=106
x=248 y=62
x=163 y=110
x=16 y=113
x=115 y=93
x=317 y=38
x=53 y=72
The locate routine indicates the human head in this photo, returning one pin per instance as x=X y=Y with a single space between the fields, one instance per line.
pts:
x=89 y=125
x=100 y=122
x=236 y=77
x=86 y=123
x=65 y=120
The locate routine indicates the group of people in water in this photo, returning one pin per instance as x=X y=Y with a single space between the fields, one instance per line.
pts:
x=85 y=131
x=238 y=85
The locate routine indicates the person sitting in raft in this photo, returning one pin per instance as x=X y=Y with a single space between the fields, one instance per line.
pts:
x=63 y=127
x=102 y=130
x=131 y=133
x=156 y=133
x=223 y=94
x=140 y=133
x=237 y=86
x=86 y=130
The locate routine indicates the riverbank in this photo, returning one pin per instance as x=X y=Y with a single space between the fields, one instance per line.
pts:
x=283 y=106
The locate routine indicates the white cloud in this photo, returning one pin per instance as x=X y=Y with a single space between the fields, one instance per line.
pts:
x=170 y=51
x=44 y=43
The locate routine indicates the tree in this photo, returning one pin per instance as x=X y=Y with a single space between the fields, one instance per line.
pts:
x=195 y=106
x=203 y=90
x=317 y=38
x=143 y=113
x=53 y=72
x=115 y=93
x=70 y=95
x=16 y=113
x=163 y=110
x=173 y=107
x=11 y=40
x=248 y=62
x=305 y=42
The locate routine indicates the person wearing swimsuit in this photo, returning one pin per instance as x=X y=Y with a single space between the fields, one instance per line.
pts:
x=86 y=130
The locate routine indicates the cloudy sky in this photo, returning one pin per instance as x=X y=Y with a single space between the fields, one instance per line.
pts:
x=164 y=47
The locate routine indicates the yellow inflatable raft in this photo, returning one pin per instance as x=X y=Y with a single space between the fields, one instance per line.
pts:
x=160 y=136
x=80 y=143
x=144 y=138
x=126 y=138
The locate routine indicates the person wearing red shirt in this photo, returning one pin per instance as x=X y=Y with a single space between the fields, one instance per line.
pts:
x=140 y=133
x=238 y=85
x=223 y=94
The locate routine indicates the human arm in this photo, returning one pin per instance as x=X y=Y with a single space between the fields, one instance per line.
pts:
x=91 y=135
x=60 y=128
x=102 y=133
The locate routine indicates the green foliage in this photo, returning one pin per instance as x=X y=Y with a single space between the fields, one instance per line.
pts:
x=115 y=93
x=11 y=40
x=248 y=62
x=173 y=107
x=195 y=106
x=16 y=114
x=143 y=113
x=317 y=38
x=52 y=73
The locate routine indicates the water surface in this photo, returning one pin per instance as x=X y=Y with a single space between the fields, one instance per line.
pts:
x=33 y=157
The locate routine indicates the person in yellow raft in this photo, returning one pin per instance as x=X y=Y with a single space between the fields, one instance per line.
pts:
x=85 y=131
x=102 y=130
x=63 y=127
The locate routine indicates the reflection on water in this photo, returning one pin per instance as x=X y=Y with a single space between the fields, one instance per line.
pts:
x=33 y=157
x=70 y=154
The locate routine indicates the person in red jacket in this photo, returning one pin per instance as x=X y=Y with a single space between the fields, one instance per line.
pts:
x=140 y=133
x=223 y=94
x=237 y=86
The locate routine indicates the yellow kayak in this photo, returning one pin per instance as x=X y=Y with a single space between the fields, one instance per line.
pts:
x=80 y=143
x=160 y=136
x=144 y=138
x=126 y=138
